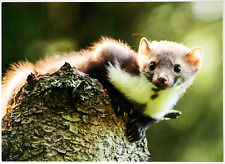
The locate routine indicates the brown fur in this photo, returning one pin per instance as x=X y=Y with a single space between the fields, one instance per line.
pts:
x=95 y=60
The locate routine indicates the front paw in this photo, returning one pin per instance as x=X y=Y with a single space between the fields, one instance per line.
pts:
x=137 y=126
x=121 y=105
x=173 y=114
x=135 y=131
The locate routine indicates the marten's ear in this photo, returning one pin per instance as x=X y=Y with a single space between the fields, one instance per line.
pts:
x=144 y=46
x=194 y=56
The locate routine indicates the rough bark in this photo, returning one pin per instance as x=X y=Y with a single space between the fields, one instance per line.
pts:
x=66 y=116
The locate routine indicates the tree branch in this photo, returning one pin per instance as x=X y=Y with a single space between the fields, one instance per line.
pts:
x=66 y=116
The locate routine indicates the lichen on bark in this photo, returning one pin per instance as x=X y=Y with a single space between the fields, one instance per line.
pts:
x=66 y=116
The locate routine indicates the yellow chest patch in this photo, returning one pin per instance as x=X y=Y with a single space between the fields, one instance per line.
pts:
x=139 y=89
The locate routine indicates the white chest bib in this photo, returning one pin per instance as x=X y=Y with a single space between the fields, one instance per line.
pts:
x=139 y=89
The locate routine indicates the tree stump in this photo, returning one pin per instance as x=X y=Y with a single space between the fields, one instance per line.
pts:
x=66 y=116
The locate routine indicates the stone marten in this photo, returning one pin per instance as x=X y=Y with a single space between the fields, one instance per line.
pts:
x=144 y=84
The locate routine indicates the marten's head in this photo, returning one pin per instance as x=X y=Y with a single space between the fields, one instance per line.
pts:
x=166 y=64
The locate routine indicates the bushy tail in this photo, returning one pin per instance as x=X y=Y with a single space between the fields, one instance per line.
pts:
x=13 y=80
x=16 y=76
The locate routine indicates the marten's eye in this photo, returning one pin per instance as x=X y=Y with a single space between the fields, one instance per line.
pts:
x=152 y=66
x=177 y=69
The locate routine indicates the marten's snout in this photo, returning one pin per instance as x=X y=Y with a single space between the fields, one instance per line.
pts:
x=163 y=80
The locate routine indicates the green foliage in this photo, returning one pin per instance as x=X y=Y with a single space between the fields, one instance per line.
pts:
x=33 y=30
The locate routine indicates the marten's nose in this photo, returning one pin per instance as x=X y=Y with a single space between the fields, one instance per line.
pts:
x=163 y=80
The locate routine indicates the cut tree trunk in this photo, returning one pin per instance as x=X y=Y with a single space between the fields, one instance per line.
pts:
x=66 y=116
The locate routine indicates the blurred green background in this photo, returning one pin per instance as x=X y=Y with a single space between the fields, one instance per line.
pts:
x=34 y=30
